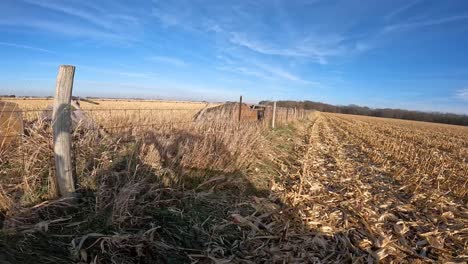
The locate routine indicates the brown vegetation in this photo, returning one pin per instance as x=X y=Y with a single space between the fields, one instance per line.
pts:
x=11 y=123
x=228 y=111
x=325 y=189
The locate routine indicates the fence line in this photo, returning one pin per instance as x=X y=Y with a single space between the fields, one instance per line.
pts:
x=62 y=123
x=132 y=109
x=103 y=109
x=280 y=116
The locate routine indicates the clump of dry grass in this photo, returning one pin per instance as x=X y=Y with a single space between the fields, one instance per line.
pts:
x=11 y=123
x=26 y=167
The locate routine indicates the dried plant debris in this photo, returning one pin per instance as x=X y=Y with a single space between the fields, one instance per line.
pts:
x=334 y=189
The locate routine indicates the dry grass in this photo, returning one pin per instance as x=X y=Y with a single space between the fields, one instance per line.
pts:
x=11 y=123
x=42 y=103
x=329 y=189
x=134 y=178
x=111 y=110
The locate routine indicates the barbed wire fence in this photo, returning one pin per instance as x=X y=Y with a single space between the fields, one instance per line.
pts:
x=132 y=118
x=19 y=127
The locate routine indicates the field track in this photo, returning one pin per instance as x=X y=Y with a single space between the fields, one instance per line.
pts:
x=381 y=204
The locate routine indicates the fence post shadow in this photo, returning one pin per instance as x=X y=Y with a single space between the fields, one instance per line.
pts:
x=61 y=123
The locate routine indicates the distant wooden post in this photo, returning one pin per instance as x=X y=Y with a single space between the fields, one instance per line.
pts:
x=240 y=108
x=61 y=119
x=274 y=115
x=287 y=113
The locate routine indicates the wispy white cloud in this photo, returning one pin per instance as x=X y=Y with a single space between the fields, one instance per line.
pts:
x=181 y=14
x=246 y=71
x=21 y=46
x=73 y=11
x=167 y=19
x=242 y=40
x=185 y=15
x=168 y=60
x=402 y=9
x=462 y=94
x=425 y=23
x=314 y=47
x=88 y=12
x=253 y=67
x=281 y=73
x=67 y=29
x=296 y=43
x=109 y=22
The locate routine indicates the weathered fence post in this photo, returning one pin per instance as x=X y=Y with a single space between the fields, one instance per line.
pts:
x=274 y=115
x=61 y=119
x=240 y=108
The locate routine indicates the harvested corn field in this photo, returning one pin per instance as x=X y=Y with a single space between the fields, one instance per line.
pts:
x=42 y=103
x=113 y=111
x=368 y=195
x=325 y=189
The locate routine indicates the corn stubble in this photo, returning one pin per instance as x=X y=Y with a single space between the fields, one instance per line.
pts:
x=369 y=201
x=329 y=189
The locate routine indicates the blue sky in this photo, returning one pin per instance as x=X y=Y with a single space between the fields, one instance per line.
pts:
x=409 y=54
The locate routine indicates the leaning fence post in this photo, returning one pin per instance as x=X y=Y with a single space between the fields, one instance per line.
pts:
x=61 y=119
x=274 y=115
x=240 y=108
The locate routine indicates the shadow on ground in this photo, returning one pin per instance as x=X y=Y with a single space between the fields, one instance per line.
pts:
x=180 y=212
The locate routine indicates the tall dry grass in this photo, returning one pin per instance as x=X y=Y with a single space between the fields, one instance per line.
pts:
x=135 y=170
x=168 y=145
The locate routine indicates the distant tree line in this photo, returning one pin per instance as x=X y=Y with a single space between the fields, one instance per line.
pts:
x=436 y=117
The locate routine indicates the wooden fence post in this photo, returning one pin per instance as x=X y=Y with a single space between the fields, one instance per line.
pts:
x=240 y=108
x=274 y=115
x=61 y=119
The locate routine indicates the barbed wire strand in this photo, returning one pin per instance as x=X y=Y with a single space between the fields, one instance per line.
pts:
x=103 y=110
x=282 y=116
